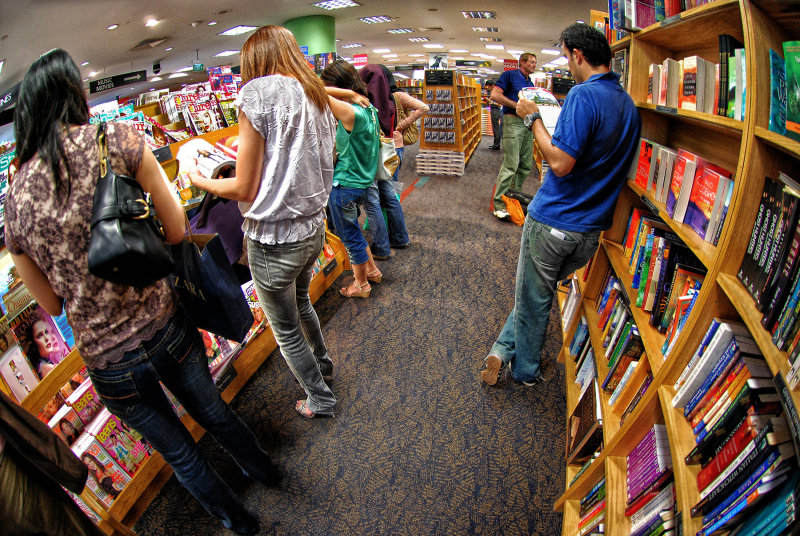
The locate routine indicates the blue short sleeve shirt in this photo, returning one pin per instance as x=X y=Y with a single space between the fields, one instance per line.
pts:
x=511 y=82
x=599 y=126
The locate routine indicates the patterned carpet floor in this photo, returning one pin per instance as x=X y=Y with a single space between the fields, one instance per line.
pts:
x=419 y=445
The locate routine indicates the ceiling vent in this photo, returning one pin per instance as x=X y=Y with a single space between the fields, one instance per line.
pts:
x=437 y=29
x=150 y=43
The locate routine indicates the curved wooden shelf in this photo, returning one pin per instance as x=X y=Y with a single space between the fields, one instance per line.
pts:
x=779 y=141
x=710 y=121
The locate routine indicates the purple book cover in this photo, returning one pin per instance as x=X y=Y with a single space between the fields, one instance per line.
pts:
x=646 y=480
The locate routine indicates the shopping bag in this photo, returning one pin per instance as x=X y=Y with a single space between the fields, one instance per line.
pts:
x=514 y=210
x=208 y=288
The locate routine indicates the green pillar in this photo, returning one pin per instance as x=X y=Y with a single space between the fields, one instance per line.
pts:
x=317 y=32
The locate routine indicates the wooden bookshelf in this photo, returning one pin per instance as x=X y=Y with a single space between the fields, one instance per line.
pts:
x=753 y=153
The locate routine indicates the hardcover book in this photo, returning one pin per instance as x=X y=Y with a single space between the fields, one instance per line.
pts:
x=705 y=200
x=585 y=430
x=777 y=102
x=791 y=54
x=681 y=185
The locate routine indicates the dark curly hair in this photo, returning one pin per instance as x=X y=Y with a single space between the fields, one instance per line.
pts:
x=591 y=42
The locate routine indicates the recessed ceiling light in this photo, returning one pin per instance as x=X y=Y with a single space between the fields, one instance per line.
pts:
x=335 y=4
x=151 y=22
x=84 y=64
x=212 y=23
x=432 y=45
x=478 y=14
x=353 y=45
x=113 y=27
x=485 y=29
x=156 y=79
x=168 y=49
x=238 y=30
x=177 y=75
x=225 y=53
x=516 y=52
x=459 y=50
x=419 y=39
x=93 y=73
x=580 y=22
x=491 y=39
x=376 y=19
x=151 y=89
x=389 y=55
x=495 y=47
x=381 y=50
x=417 y=55
x=561 y=61
x=183 y=69
x=400 y=31
x=550 y=51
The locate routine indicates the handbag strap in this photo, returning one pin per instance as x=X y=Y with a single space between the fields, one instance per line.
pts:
x=102 y=146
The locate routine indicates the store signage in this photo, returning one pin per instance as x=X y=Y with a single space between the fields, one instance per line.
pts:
x=473 y=63
x=360 y=60
x=510 y=65
x=9 y=98
x=197 y=67
x=112 y=82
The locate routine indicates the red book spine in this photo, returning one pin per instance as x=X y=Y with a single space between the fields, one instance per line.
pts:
x=741 y=438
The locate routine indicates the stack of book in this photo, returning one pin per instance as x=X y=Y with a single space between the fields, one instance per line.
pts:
x=570 y=309
x=785 y=82
x=585 y=427
x=650 y=492
x=592 y=510
x=769 y=268
x=633 y=15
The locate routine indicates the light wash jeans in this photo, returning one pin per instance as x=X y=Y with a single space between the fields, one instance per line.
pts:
x=517 y=158
x=282 y=274
x=343 y=204
x=546 y=256
x=372 y=204
x=130 y=390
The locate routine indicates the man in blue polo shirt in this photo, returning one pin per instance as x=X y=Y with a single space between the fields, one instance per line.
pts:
x=589 y=153
x=517 y=139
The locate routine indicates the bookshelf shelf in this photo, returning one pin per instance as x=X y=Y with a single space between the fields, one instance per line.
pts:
x=754 y=155
x=625 y=42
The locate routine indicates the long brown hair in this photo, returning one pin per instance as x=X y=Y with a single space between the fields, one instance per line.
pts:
x=274 y=50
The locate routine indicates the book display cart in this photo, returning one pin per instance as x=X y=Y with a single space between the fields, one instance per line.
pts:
x=154 y=473
x=753 y=154
x=412 y=87
x=452 y=128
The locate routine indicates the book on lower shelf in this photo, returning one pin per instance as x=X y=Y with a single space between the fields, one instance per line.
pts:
x=592 y=508
x=585 y=427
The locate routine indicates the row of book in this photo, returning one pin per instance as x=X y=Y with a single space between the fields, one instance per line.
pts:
x=650 y=499
x=592 y=510
x=769 y=268
x=784 y=112
x=742 y=440
x=633 y=15
x=695 y=191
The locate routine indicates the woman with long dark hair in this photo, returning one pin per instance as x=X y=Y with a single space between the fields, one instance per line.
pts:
x=129 y=338
x=284 y=170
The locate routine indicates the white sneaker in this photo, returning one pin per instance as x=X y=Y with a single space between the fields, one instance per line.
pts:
x=501 y=214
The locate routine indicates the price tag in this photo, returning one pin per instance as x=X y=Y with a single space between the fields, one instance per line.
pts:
x=650 y=205
x=667 y=110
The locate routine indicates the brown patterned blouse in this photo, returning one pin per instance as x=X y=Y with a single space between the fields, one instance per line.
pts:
x=107 y=319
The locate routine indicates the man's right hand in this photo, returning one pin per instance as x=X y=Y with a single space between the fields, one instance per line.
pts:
x=526 y=107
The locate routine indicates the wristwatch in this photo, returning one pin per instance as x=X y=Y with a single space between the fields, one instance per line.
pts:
x=530 y=118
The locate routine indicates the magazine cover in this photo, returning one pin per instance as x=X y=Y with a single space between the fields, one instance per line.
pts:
x=85 y=402
x=39 y=338
x=106 y=479
x=66 y=424
x=17 y=372
x=124 y=444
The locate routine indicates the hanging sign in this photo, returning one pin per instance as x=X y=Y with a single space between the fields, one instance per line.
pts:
x=360 y=60
x=510 y=65
x=103 y=84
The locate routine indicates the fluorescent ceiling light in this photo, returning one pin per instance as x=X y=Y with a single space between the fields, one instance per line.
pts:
x=353 y=45
x=515 y=52
x=478 y=14
x=419 y=39
x=389 y=56
x=2 y=62
x=432 y=45
x=550 y=65
x=184 y=69
x=151 y=22
x=400 y=31
x=238 y=30
x=168 y=49
x=225 y=53
x=580 y=22
x=561 y=61
x=485 y=29
x=381 y=50
x=376 y=19
x=495 y=47
x=550 y=51
x=456 y=57
x=177 y=75
x=113 y=27
x=417 y=55
x=212 y=23
x=156 y=79
x=491 y=39
x=459 y=50
x=335 y=4
x=93 y=73
x=399 y=75
x=84 y=64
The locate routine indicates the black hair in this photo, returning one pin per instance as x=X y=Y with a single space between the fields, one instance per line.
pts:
x=588 y=40
x=390 y=79
x=343 y=75
x=50 y=98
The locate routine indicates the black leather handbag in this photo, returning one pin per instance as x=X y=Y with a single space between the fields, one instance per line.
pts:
x=126 y=245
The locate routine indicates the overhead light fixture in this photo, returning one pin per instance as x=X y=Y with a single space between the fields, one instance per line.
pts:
x=491 y=39
x=151 y=22
x=485 y=29
x=177 y=75
x=238 y=30
x=400 y=75
x=478 y=14
x=515 y=52
x=580 y=22
x=353 y=45
x=381 y=50
x=93 y=73
x=432 y=45
x=335 y=4
x=459 y=50
x=84 y=64
x=212 y=23
x=113 y=27
x=225 y=53
x=400 y=31
x=550 y=65
x=389 y=56
x=183 y=69
x=2 y=62
x=168 y=49
x=560 y=61
x=156 y=79
x=550 y=51
x=377 y=19
x=495 y=47
x=417 y=55
x=419 y=39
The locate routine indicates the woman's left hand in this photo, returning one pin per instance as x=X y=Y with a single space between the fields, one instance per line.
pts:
x=361 y=100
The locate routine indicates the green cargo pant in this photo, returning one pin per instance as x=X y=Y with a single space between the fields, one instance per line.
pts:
x=517 y=158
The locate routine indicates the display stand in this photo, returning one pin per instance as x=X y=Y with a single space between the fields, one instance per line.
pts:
x=452 y=128
x=753 y=153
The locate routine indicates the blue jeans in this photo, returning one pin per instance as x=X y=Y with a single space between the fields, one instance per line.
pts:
x=399 y=151
x=373 y=203
x=130 y=389
x=282 y=274
x=546 y=256
x=343 y=204
x=396 y=222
